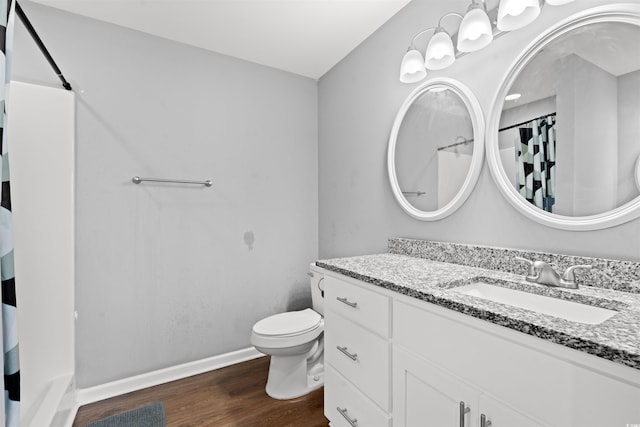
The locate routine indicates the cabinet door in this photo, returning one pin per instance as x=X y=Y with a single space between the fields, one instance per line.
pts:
x=426 y=396
x=502 y=415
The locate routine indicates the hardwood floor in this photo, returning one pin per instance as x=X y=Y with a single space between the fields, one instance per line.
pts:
x=231 y=396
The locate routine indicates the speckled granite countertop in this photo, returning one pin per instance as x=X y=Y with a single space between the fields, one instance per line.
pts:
x=616 y=339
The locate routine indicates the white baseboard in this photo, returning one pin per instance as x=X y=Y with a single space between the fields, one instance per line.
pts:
x=150 y=379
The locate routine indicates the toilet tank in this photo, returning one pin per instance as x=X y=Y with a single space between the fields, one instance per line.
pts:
x=317 y=288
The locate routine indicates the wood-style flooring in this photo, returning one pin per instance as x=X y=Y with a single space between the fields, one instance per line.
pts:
x=231 y=396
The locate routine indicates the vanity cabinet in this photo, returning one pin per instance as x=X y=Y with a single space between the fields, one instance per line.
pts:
x=416 y=362
x=512 y=375
x=427 y=395
x=357 y=355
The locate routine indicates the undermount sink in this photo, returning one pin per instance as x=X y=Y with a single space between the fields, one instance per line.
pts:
x=569 y=310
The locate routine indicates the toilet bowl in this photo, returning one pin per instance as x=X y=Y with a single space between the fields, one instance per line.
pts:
x=294 y=340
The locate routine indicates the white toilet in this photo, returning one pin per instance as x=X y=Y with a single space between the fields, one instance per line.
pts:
x=295 y=342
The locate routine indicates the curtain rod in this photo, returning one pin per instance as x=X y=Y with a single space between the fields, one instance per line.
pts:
x=527 y=122
x=464 y=141
x=43 y=49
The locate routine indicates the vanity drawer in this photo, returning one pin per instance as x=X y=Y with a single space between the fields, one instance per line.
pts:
x=339 y=393
x=360 y=356
x=365 y=307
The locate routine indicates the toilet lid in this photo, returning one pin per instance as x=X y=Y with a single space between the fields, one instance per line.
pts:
x=289 y=323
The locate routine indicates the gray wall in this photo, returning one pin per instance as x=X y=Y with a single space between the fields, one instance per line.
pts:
x=358 y=100
x=168 y=274
x=628 y=135
x=587 y=107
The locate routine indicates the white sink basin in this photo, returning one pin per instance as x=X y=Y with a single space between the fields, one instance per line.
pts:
x=556 y=307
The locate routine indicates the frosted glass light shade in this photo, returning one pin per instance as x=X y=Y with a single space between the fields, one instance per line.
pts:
x=440 y=53
x=515 y=14
x=558 y=2
x=412 y=68
x=475 y=30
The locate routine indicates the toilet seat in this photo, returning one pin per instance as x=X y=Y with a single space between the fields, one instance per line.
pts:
x=287 y=329
x=289 y=323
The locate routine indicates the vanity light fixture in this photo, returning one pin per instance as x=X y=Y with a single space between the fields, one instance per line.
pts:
x=515 y=14
x=475 y=30
x=440 y=53
x=412 y=69
x=512 y=96
x=474 y=33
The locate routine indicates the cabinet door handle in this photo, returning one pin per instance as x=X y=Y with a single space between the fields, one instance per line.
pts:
x=463 y=411
x=352 y=356
x=343 y=412
x=346 y=301
x=484 y=422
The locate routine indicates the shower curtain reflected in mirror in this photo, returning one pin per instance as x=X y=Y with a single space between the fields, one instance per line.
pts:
x=9 y=326
x=535 y=162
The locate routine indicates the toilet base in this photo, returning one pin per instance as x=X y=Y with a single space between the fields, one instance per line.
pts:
x=290 y=376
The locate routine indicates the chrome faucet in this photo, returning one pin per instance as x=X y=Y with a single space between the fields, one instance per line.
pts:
x=542 y=273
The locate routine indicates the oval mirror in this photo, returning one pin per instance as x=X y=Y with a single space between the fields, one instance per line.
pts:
x=564 y=134
x=436 y=148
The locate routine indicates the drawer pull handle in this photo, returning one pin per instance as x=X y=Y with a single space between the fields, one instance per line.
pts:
x=352 y=356
x=343 y=412
x=484 y=422
x=463 y=411
x=346 y=301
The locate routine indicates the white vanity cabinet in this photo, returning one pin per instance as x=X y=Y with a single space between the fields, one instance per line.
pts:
x=511 y=378
x=427 y=395
x=416 y=362
x=357 y=355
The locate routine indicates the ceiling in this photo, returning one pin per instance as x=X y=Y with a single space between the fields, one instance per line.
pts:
x=306 y=37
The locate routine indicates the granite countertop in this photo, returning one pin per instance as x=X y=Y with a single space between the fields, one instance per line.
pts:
x=616 y=339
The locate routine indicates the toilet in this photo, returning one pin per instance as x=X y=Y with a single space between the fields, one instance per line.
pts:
x=294 y=340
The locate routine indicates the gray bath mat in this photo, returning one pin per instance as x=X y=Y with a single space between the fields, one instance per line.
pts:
x=147 y=416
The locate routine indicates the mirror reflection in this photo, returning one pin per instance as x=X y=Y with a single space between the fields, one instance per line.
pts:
x=434 y=148
x=569 y=132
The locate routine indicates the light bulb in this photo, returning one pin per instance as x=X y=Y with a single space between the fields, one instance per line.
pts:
x=412 y=68
x=440 y=53
x=515 y=14
x=475 y=30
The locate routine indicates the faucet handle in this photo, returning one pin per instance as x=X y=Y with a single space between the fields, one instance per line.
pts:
x=569 y=276
x=532 y=271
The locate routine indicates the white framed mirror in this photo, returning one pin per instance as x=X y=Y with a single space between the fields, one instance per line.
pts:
x=436 y=149
x=564 y=132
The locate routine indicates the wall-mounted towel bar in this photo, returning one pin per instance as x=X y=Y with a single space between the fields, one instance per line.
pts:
x=414 y=193
x=138 y=180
